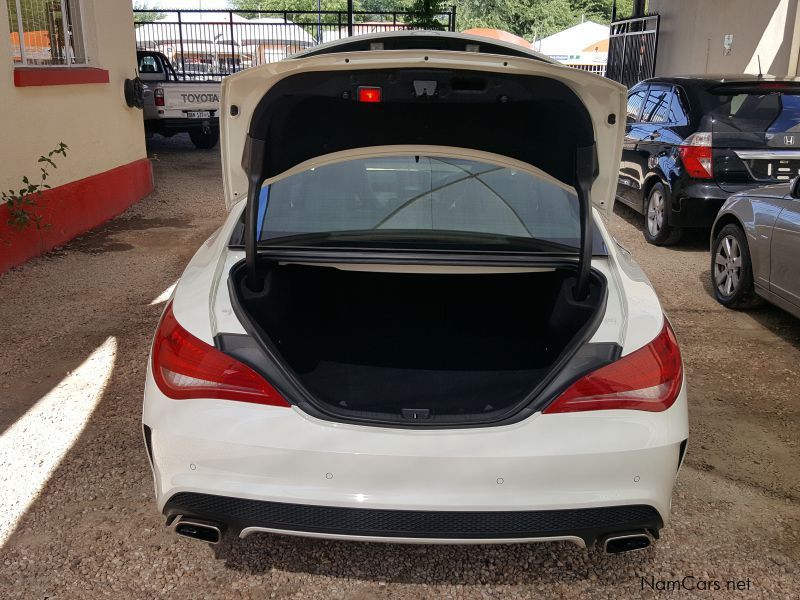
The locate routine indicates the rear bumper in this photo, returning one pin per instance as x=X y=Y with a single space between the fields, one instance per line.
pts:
x=180 y=125
x=583 y=525
x=570 y=476
x=696 y=205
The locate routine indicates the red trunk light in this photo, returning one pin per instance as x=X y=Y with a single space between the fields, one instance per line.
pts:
x=158 y=95
x=695 y=153
x=647 y=379
x=369 y=94
x=185 y=367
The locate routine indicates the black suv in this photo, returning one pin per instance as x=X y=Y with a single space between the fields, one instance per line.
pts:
x=692 y=141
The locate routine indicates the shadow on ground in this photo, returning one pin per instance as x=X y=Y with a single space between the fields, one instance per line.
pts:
x=692 y=240
x=422 y=564
x=774 y=319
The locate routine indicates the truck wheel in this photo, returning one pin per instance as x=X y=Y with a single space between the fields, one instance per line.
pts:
x=204 y=141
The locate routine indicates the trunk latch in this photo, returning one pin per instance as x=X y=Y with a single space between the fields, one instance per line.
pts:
x=416 y=413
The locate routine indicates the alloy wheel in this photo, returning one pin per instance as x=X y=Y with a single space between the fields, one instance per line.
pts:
x=728 y=266
x=655 y=213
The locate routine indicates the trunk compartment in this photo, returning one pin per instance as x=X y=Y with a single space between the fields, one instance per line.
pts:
x=386 y=345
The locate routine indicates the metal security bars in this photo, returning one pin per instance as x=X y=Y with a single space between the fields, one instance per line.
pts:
x=207 y=44
x=46 y=32
x=632 y=49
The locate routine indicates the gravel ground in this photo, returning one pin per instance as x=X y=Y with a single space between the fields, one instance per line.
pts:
x=76 y=492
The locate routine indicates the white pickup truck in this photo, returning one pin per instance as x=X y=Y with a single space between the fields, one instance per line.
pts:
x=173 y=106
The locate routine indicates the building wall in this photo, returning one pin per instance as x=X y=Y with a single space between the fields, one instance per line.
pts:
x=692 y=34
x=105 y=137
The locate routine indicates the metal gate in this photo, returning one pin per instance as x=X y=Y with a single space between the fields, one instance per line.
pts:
x=632 y=47
x=209 y=44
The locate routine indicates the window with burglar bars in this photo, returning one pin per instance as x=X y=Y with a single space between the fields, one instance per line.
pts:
x=46 y=32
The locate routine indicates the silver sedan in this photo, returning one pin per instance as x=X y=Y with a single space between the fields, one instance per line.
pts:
x=755 y=248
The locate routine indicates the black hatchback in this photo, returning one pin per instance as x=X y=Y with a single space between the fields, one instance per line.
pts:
x=692 y=141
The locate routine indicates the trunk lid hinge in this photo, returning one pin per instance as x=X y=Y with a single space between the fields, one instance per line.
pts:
x=253 y=163
x=586 y=171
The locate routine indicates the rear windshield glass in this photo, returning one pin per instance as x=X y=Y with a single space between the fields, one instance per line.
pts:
x=424 y=201
x=757 y=112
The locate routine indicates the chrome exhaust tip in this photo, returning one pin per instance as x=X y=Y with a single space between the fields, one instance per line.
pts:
x=197 y=529
x=626 y=542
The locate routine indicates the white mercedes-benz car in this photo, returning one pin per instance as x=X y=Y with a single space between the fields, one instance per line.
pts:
x=414 y=325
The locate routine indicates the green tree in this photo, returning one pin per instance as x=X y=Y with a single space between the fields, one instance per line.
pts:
x=311 y=5
x=146 y=17
x=382 y=5
x=536 y=18
x=525 y=18
x=600 y=10
x=279 y=6
x=424 y=13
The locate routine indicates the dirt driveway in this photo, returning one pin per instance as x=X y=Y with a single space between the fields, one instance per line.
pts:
x=76 y=489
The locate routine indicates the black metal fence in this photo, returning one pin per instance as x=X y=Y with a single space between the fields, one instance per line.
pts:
x=632 y=49
x=210 y=44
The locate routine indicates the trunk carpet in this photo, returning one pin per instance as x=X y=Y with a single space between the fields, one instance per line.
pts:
x=386 y=389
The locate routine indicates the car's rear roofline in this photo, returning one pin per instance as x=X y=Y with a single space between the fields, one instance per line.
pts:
x=424 y=40
x=719 y=78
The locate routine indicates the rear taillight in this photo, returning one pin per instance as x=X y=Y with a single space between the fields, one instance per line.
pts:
x=695 y=153
x=158 y=94
x=648 y=379
x=186 y=367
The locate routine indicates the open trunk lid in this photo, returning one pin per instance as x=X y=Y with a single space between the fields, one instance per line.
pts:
x=308 y=112
x=300 y=111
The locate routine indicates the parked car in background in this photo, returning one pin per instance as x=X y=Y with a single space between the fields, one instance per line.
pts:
x=172 y=105
x=691 y=141
x=755 y=248
x=412 y=327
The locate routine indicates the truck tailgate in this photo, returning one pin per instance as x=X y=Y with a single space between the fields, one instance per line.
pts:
x=192 y=97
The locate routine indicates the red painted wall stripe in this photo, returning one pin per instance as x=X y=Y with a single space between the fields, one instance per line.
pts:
x=74 y=208
x=32 y=76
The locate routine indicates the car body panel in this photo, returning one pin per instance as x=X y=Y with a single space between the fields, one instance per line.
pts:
x=650 y=149
x=770 y=218
x=644 y=161
x=421 y=38
x=574 y=460
x=541 y=462
x=558 y=461
x=544 y=462
x=785 y=253
x=757 y=216
x=244 y=90
x=180 y=97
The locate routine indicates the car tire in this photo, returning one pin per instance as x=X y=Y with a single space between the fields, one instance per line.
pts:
x=656 y=229
x=204 y=141
x=732 y=269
